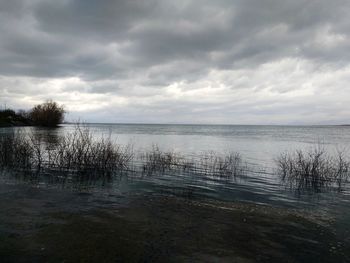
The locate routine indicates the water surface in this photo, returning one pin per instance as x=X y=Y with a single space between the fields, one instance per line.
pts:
x=177 y=216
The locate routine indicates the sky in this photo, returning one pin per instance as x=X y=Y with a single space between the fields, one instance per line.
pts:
x=165 y=61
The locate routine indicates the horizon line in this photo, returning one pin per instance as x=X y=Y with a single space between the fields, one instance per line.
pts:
x=199 y=124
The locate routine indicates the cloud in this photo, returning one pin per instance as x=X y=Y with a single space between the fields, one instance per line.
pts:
x=204 y=61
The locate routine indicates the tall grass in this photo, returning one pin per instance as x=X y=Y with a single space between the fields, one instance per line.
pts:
x=76 y=152
x=208 y=164
x=157 y=161
x=16 y=151
x=230 y=165
x=81 y=153
x=314 y=169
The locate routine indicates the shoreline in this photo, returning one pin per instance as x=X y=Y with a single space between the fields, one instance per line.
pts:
x=14 y=124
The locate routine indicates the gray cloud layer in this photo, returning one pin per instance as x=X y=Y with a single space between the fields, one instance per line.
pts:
x=243 y=61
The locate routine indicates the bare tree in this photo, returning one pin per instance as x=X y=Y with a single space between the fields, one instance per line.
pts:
x=48 y=114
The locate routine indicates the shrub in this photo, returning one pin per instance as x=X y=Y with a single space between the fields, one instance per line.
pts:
x=158 y=161
x=223 y=166
x=74 y=153
x=48 y=114
x=314 y=169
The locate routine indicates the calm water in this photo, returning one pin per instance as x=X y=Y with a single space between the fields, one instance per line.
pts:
x=259 y=144
x=133 y=218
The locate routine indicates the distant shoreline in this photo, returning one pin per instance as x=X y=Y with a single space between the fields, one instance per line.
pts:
x=13 y=124
x=16 y=120
x=9 y=118
x=203 y=124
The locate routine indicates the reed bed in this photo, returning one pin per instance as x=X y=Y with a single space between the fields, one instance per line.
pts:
x=80 y=153
x=16 y=151
x=157 y=161
x=208 y=164
x=230 y=165
x=76 y=153
x=314 y=169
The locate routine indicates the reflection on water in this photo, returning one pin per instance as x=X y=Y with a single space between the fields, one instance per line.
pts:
x=178 y=215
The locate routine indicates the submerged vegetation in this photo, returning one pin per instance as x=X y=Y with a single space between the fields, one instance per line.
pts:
x=208 y=164
x=314 y=169
x=230 y=165
x=158 y=161
x=76 y=152
x=80 y=153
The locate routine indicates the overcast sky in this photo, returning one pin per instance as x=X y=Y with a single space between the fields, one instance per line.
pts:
x=166 y=61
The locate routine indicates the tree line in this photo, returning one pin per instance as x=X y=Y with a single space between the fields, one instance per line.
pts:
x=47 y=114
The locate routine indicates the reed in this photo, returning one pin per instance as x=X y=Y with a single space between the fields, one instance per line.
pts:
x=208 y=164
x=230 y=165
x=314 y=169
x=79 y=153
x=156 y=161
x=16 y=151
x=76 y=152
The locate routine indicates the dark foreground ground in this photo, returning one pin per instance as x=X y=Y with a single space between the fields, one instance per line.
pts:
x=43 y=225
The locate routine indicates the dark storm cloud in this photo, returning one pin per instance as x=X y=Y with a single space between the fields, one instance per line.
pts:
x=136 y=48
x=52 y=38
